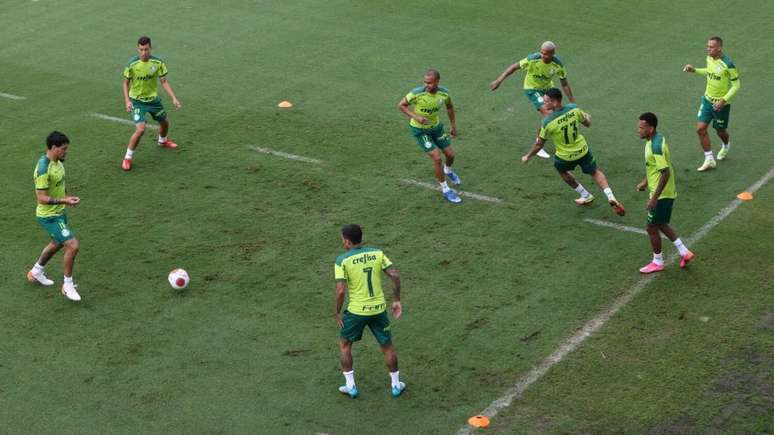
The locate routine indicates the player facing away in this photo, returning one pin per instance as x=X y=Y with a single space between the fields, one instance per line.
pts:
x=722 y=84
x=562 y=125
x=427 y=128
x=540 y=69
x=52 y=198
x=141 y=77
x=359 y=276
x=661 y=182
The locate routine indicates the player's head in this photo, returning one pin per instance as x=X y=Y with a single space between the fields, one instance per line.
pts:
x=647 y=125
x=547 y=50
x=351 y=235
x=552 y=99
x=57 y=144
x=431 y=79
x=715 y=46
x=144 y=47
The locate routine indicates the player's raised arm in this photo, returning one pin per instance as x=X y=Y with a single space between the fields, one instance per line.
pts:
x=508 y=71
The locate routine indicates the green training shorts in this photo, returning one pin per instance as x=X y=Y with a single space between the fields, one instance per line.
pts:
x=379 y=324
x=155 y=108
x=56 y=227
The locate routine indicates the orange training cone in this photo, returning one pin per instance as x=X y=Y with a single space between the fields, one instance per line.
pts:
x=745 y=196
x=285 y=104
x=479 y=421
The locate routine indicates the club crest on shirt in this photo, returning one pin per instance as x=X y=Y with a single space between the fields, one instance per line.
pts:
x=153 y=69
x=718 y=69
x=551 y=71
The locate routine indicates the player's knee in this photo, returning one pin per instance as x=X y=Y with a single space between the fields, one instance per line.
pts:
x=436 y=158
x=701 y=129
x=139 y=129
x=72 y=245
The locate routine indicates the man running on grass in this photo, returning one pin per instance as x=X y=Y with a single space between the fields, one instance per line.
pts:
x=562 y=125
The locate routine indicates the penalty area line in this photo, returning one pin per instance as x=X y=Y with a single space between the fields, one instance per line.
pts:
x=12 y=96
x=576 y=340
x=285 y=155
x=121 y=120
x=459 y=192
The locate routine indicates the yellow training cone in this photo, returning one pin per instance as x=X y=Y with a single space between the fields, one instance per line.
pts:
x=478 y=421
x=285 y=104
x=745 y=196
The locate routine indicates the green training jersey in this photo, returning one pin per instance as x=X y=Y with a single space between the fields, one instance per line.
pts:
x=144 y=77
x=50 y=176
x=657 y=159
x=540 y=75
x=362 y=269
x=722 y=78
x=428 y=105
x=563 y=127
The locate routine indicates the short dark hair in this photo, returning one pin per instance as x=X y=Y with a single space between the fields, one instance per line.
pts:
x=554 y=94
x=56 y=139
x=144 y=40
x=433 y=72
x=717 y=39
x=650 y=118
x=353 y=233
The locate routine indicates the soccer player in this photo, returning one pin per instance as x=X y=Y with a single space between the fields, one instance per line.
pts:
x=52 y=198
x=141 y=77
x=426 y=127
x=358 y=273
x=722 y=84
x=562 y=126
x=660 y=180
x=540 y=69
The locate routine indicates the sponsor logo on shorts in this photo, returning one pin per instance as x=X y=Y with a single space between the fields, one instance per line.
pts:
x=65 y=232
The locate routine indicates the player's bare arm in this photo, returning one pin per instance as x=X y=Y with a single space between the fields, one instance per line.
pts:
x=567 y=90
x=662 y=181
x=404 y=107
x=689 y=68
x=642 y=185
x=394 y=276
x=539 y=142
x=341 y=292
x=47 y=200
x=452 y=118
x=508 y=71
x=168 y=88
x=127 y=101
x=586 y=120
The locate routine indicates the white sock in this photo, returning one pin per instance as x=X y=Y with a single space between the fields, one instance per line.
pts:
x=609 y=193
x=395 y=378
x=727 y=145
x=349 y=377
x=68 y=280
x=582 y=191
x=129 y=154
x=447 y=169
x=162 y=139
x=37 y=269
x=444 y=186
x=680 y=247
x=658 y=258
x=708 y=155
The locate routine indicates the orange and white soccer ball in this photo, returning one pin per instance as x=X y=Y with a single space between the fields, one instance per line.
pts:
x=178 y=279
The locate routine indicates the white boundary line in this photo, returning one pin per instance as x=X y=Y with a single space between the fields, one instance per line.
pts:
x=12 y=96
x=460 y=192
x=122 y=120
x=572 y=343
x=602 y=223
x=288 y=156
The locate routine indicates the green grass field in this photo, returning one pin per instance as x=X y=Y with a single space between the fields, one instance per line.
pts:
x=490 y=290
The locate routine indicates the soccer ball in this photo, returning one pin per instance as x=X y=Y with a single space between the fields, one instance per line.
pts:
x=178 y=279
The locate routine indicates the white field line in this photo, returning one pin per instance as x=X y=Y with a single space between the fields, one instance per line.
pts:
x=122 y=120
x=460 y=192
x=572 y=343
x=288 y=156
x=12 y=96
x=602 y=223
